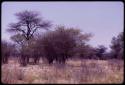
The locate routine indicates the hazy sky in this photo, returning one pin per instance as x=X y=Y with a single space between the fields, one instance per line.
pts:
x=103 y=19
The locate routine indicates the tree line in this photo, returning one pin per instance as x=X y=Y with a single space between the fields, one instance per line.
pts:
x=57 y=45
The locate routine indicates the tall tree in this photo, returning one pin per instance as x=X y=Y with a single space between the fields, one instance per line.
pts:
x=28 y=23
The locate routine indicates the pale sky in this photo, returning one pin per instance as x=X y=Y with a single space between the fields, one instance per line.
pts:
x=103 y=19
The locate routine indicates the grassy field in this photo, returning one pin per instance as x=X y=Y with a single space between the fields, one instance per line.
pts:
x=74 y=72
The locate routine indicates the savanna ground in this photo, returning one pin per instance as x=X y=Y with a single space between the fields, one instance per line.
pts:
x=75 y=71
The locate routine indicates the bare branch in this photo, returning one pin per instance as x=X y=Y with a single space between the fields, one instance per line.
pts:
x=33 y=32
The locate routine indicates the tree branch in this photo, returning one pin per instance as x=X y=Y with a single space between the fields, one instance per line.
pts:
x=33 y=31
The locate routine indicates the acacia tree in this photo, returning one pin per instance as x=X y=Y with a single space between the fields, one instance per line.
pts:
x=117 y=46
x=72 y=40
x=28 y=23
x=46 y=45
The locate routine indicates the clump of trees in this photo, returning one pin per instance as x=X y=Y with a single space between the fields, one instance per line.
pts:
x=61 y=44
x=58 y=45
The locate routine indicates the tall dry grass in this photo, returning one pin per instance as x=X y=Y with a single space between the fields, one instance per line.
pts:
x=74 y=72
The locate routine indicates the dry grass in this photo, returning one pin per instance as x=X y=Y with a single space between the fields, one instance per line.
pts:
x=74 y=72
